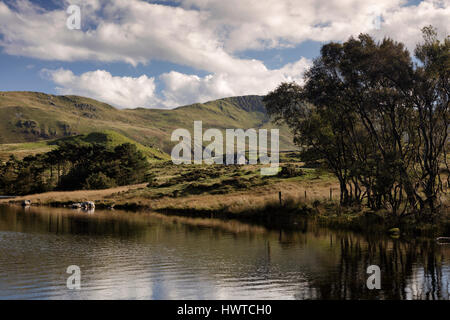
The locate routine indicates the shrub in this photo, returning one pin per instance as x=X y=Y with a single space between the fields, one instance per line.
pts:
x=237 y=182
x=289 y=171
x=151 y=179
x=99 y=181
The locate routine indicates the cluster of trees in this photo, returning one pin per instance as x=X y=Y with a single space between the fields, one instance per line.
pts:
x=74 y=166
x=378 y=118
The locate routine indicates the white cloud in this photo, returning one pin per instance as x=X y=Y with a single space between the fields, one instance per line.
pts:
x=201 y=34
x=404 y=24
x=204 y=34
x=258 y=24
x=179 y=89
x=123 y=92
x=183 y=89
x=130 y=31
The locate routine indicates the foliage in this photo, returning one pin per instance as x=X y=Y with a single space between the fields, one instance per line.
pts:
x=377 y=119
x=74 y=166
x=97 y=181
x=290 y=171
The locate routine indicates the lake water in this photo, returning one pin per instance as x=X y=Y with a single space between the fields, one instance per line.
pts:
x=149 y=256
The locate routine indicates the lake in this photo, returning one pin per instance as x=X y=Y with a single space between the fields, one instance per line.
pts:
x=125 y=255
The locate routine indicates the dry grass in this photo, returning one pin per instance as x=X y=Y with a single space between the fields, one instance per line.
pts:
x=75 y=196
x=250 y=192
x=254 y=198
x=21 y=150
x=235 y=201
x=316 y=185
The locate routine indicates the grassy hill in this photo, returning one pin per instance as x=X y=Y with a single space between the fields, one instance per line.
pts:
x=32 y=117
x=112 y=139
x=108 y=138
x=21 y=150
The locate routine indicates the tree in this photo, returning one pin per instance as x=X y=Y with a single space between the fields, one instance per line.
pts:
x=78 y=166
x=8 y=176
x=431 y=99
x=377 y=119
x=97 y=181
x=129 y=165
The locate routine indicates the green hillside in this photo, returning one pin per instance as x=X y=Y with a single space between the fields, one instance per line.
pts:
x=109 y=138
x=33 y=117
x=21 y=150
x=112 y=139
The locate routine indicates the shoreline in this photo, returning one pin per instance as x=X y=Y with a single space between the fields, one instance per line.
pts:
x=266 y=212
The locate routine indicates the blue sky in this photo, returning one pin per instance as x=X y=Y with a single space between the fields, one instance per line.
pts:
x=163 y=54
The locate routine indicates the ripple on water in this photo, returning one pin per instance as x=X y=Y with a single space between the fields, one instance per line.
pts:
x=129 y=256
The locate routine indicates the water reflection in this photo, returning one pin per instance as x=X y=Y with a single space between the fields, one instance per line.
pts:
x=149 y=256
x=410 y=270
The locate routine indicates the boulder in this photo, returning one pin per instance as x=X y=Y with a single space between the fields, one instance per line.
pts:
x=88 y=205
x=26 y=203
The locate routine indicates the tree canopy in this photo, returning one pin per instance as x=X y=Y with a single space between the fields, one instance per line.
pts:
x=74 y=166
x=378 y=118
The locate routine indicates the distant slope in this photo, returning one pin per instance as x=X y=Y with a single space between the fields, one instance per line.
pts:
x=33 y=116
x=112 y=139
x=21 y=150
x=109 y=139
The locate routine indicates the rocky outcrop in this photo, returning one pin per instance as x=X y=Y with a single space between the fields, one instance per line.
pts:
x=26 y=203
x=76 y=206
x=87 y=205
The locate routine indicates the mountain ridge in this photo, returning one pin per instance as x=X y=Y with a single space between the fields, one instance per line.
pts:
x=36 y=116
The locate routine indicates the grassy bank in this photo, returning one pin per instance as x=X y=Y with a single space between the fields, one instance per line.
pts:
x=241 y=193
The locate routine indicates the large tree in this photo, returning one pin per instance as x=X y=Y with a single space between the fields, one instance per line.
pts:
x=377 y=118
x=431 y=100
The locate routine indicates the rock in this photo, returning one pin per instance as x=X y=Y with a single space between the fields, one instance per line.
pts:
x=76 y=205
x=88 y=205
x=26 y=203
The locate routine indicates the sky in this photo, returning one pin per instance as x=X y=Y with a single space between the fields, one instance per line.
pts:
x=163 y=54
